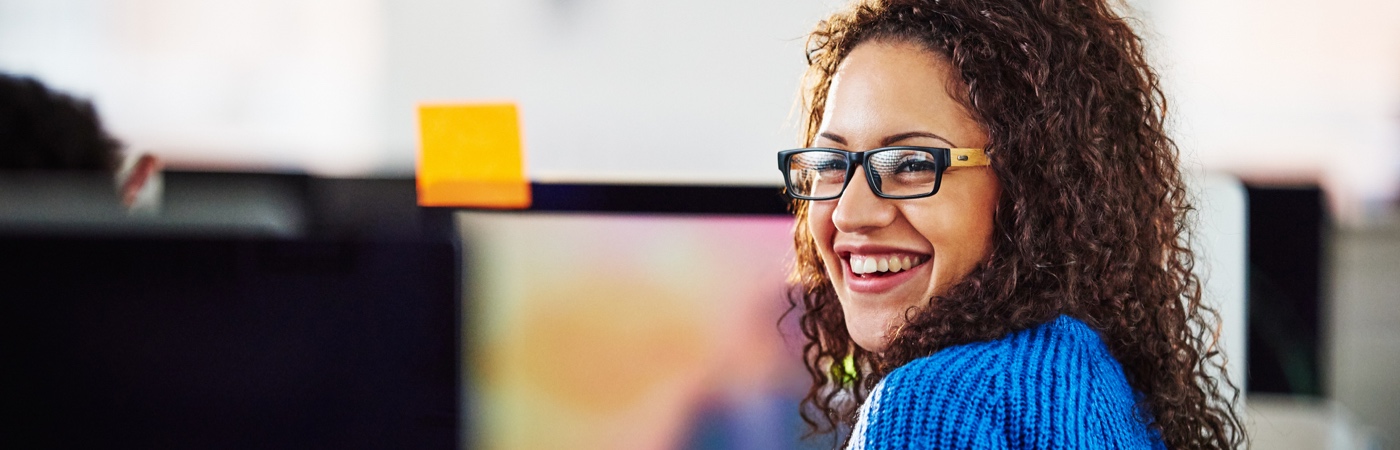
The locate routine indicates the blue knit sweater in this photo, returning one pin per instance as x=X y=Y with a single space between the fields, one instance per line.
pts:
x=1053 y=386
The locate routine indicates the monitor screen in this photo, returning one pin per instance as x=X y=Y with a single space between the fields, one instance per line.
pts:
x=623 y=331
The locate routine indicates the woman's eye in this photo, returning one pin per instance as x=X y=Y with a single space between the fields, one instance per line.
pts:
x=830 y=165
x=915 y=166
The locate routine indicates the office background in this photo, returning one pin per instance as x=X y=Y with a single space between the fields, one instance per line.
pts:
x=1299 y=99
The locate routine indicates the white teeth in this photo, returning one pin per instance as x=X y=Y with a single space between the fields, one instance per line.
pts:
x=864 y=264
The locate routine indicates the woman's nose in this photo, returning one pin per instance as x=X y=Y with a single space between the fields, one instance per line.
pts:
x=859 y=209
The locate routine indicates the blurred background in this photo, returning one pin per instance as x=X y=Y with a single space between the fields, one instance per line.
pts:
x=271 y=282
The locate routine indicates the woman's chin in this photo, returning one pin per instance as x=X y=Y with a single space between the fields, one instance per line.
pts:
x=875 y=309
x=872 y=330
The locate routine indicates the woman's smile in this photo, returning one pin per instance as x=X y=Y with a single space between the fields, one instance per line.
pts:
x=877 y=271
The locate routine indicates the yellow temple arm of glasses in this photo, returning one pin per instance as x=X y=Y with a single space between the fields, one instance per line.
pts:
x=967 y=157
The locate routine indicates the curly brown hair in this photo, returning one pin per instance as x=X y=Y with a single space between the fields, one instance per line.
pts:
x=1093 y=220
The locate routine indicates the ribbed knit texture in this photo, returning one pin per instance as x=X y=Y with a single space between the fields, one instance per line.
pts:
x=1051 y=387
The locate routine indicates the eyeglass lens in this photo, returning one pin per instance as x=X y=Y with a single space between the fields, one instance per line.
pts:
x=895 y=172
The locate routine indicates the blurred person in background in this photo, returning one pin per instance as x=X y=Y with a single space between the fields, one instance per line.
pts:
x=991 y=235
x=41 y=129
x=45 y=130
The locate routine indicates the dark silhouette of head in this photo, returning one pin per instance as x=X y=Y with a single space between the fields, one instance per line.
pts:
x=42 y=129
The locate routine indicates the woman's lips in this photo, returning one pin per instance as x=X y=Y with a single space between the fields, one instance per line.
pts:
x=874 y=274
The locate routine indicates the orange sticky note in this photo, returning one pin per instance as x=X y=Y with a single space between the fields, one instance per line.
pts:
x=470 y=156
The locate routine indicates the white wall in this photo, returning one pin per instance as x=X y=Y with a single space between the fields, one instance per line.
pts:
x=659 y=90
x=608 y=89
x=1287 y=91
x=1222 y=251
x=261 y=84
x=613 y=89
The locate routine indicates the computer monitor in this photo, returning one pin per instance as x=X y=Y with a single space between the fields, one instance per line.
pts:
x=591 y=327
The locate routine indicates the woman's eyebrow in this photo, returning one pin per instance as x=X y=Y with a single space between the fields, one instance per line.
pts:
x=834 y=137
x=913 y=134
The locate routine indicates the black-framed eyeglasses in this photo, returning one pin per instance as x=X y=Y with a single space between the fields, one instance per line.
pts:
x=893 y=172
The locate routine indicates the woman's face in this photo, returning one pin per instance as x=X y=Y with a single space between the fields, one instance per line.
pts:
x=885 y=94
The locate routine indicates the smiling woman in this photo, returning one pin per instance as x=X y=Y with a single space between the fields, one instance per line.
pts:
x=889 y=93
x=990 y=235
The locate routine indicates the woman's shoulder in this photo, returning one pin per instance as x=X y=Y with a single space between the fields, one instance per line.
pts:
x=1057 y=376
x=1062 y=345
x=957 y=397
x=951 y=399
x=1062 y=376
x=1062 y=364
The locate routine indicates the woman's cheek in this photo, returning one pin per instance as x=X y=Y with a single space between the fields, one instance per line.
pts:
x=823 y=231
